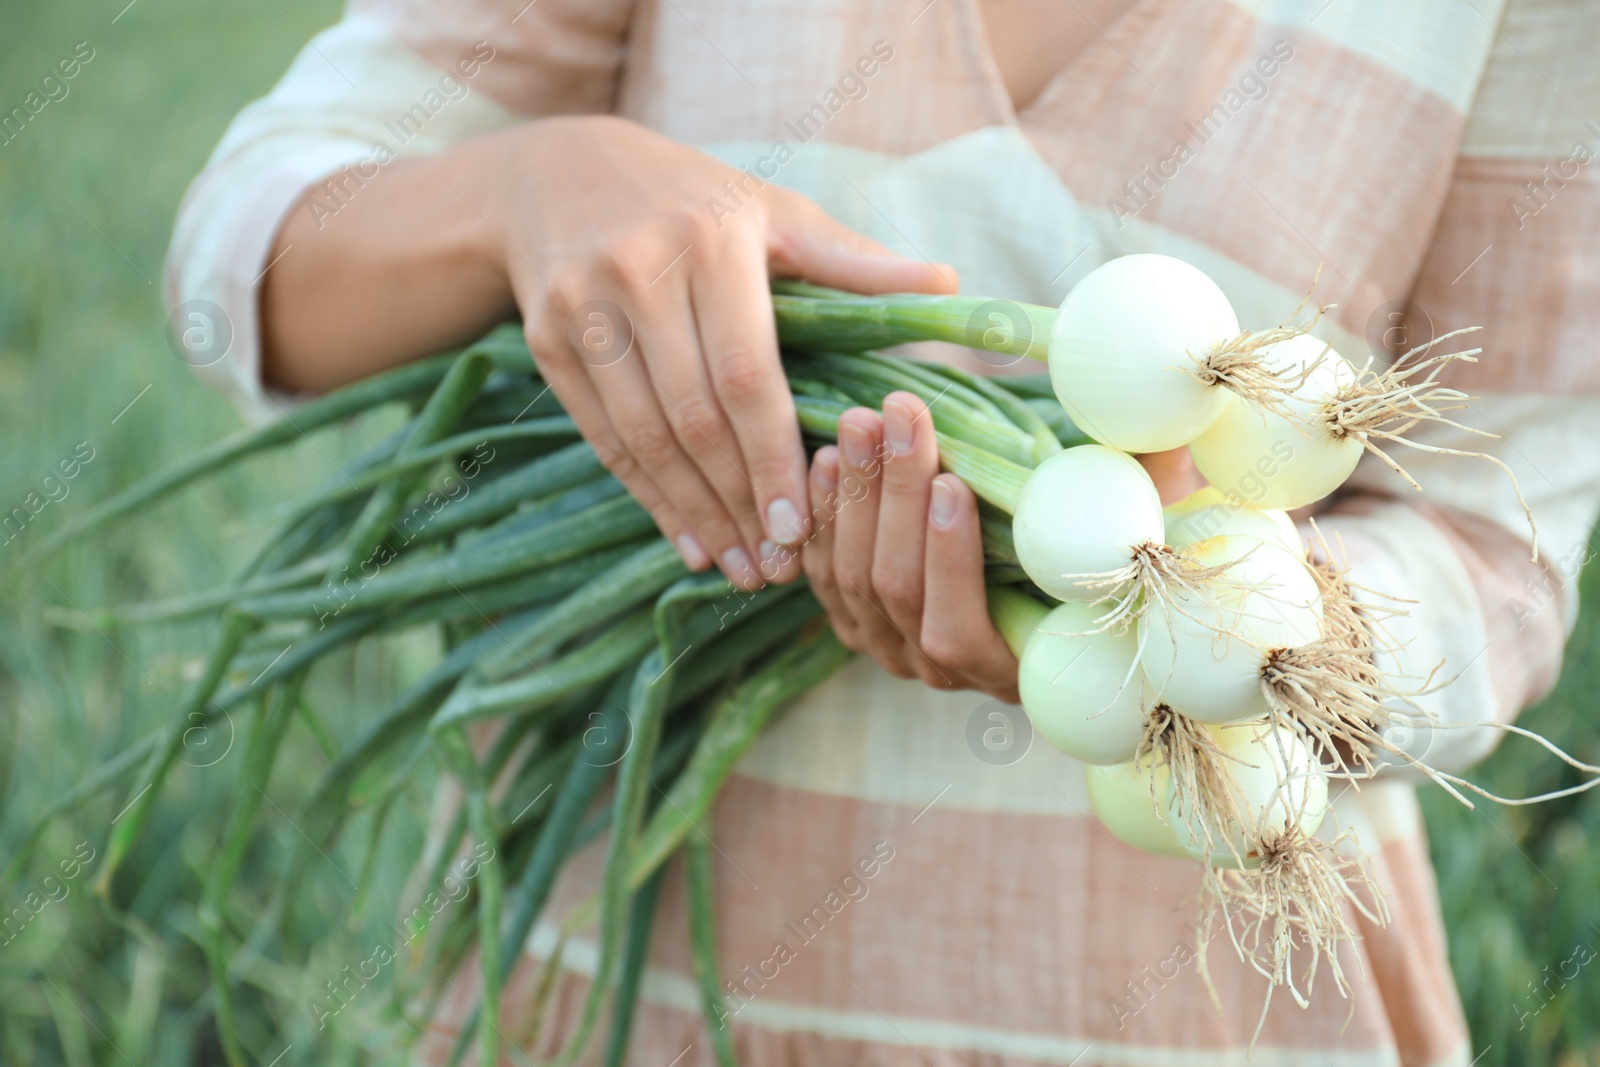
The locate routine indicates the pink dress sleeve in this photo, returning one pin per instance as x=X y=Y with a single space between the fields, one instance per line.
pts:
x=394 y=78
x=1516 y=251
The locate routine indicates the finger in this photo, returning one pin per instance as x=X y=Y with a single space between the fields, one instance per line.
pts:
x=855 y=536
x=807 y=242
x=573 y=388
x=1174 y=473
x=817 y=554
x=678 y=373
x=733 y=313
x=634 y=409
x=911 y=460
x=957 y=633
x=618 y=378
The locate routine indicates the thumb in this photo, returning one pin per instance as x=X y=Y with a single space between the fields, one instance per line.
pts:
x=803 y=241
x=1174 y=473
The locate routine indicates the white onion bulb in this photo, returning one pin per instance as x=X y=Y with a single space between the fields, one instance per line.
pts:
x=1083 y=512
x=1121 y=350
x=1278 y=462
x=1124 y=803
x=1083 y=690
x=1204 y=650
x=1277 y=783
x=1209 y=512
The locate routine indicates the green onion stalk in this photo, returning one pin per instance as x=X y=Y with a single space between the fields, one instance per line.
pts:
x=572 y=627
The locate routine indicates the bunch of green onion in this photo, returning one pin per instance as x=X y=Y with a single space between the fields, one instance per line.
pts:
x=576 y=628
x=572 y=624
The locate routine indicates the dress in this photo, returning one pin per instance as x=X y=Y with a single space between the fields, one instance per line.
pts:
x=1393 y=145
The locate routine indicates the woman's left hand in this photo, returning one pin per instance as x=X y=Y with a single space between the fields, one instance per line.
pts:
x=897 y=556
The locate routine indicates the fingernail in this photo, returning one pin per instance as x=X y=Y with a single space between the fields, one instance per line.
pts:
x=694 y=557
x=783 y=521
x=897 y=429
x=736 y=565
x=857 y=445
x=827 y=466
x=942 y=505
x=773 y=557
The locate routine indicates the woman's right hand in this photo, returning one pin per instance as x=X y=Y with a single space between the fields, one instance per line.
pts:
x=641 y=269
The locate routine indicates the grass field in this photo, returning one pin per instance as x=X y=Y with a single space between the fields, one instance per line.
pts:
x=88 y=190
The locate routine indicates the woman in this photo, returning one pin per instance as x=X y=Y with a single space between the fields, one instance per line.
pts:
x=628 y=176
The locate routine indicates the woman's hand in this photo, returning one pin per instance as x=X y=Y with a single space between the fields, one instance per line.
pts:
x=897 y=556
x=641 y=270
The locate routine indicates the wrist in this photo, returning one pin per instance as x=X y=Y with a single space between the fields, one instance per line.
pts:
x=473 y=181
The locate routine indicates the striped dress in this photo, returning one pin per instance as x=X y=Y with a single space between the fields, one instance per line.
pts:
x=906 y=877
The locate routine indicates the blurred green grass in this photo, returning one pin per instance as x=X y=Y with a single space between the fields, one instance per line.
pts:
x=87 y=196
x=88 y=192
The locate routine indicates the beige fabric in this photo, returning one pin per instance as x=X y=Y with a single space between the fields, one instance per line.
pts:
x=1258 y=139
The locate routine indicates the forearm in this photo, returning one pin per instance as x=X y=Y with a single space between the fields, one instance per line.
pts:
x=1474 y=611
x=369 y=270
